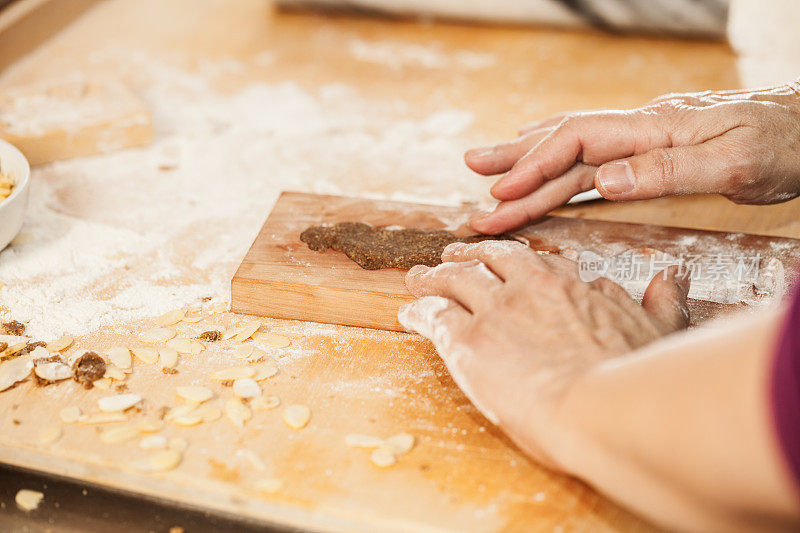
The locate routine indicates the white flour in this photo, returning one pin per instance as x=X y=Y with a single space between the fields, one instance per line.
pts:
x=134 y=233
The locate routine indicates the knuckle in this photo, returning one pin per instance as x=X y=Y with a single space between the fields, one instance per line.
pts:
x=663 y=165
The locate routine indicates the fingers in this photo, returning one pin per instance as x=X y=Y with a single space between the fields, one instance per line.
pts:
x=435 y=318
x=665 y=298
x=468 y=283
x=555 y=193
x=592 y=138
x=699 y=168
x=555 y=120
x=504 y=258
x=501 y=157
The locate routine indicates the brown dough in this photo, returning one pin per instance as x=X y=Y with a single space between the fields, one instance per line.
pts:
x=89 y=368
x=375 y=248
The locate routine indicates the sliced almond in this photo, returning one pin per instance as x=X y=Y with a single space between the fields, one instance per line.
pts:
x=252 y=458
x=50 y=434
x=246 y=388
x=355 y=440
x=273 y=340
x=231 y=332
x=179 y=411
x=194 y=393
x=265 y=403
x=185 y=346
x=53 y=371
x=237 y=412
x=233 y=373
x=156 y=335
x=14 y=371
x=40 y=352
x=193 y=319
x=247 y=330
x=208 y=413
x=153 y=442
x=102 y=383
x=296 y=416
x=61 y=344
x=150 y=425
x=243 y=351
x=103 y=418
x=70 y=415
x=28 y=500
x=171 y=318
x=168 y=357
x=121 y=357
x=188 y=420
x=383 y=457
x=118 y=434
x=265 y=370
x=118 y=403
x=179 y=444
x=401 y=443
x=161 y=461
x=115 y=373
x=219 y=307
x=11 y=350
x=268 y=485
x=147 y=356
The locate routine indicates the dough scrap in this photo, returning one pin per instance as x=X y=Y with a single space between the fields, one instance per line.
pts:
x=376 y=248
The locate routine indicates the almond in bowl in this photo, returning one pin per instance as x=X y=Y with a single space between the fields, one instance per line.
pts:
x=15 y=174
x=6 y=184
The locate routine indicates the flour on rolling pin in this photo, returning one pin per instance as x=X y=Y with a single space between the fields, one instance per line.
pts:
x=73 y=117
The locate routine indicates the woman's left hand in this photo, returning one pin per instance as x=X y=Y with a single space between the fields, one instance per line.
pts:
x=516 y=328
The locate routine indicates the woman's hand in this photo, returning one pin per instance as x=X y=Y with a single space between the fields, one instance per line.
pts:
x=516 y=328
x=744 y=145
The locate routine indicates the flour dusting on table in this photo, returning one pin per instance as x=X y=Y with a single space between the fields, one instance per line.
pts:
x=129 y=235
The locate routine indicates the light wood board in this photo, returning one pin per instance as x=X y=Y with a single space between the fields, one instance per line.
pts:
x=281 y=277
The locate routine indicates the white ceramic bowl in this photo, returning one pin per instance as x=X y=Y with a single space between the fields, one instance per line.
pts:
x=12 y=209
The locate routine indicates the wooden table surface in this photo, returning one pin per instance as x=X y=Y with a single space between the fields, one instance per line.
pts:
x=463 y=474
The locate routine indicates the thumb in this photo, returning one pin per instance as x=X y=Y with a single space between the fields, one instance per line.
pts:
x=665 y=298
x=659 y=172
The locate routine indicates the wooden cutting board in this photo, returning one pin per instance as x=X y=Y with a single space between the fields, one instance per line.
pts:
x=281 y=278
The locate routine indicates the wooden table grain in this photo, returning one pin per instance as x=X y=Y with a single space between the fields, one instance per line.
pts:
x=464 y=474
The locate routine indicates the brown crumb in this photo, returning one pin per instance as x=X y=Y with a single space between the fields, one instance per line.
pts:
x=205 y=299
x=169 y=371
x=227 y=383
x=31 y=346
x=3 y=346
x=14 y=328
x=89 y=368
x=16 y=422
x=375 y=248
x=122 y=387
x=162 y=412
x=212 y=335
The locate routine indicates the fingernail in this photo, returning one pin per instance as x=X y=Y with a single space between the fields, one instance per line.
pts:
x=417 y=269
x=453 y=247
x=616 y=178
x=480 y=152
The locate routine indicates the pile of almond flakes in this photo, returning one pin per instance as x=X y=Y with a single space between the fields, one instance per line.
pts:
x=6 y=185
x=107 y=369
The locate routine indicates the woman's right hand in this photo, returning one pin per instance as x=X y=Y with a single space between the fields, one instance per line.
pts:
x=744 y=145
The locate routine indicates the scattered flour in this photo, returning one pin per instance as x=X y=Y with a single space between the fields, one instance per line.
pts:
x=398 y=55
x=134 y=233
